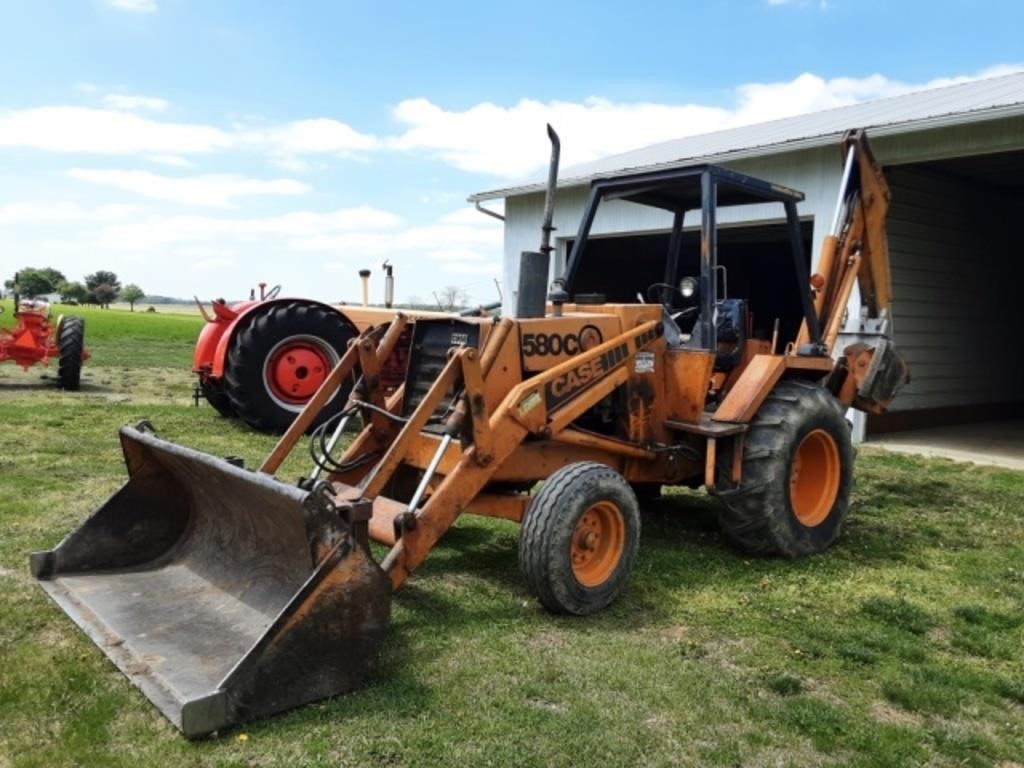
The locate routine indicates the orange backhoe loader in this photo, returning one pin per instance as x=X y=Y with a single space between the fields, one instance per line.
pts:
x=226 y=594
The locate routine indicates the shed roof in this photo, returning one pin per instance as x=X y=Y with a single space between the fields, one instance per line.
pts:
x=936 y=107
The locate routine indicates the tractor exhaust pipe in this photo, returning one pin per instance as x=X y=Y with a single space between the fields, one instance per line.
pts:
x=389 y=285
x=364 y=275
x=535 y=266
x=549 y=198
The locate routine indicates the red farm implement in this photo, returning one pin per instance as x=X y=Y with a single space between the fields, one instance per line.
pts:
x=35 y=340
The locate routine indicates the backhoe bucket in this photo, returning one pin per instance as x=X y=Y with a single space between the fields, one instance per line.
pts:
x=223 y=594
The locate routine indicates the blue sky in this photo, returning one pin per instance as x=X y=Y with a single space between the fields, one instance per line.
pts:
x=199 y=146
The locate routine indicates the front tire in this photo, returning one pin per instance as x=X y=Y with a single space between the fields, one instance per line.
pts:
x=794 y=493
x=71 y=342
x=278 y=360
x=579 y=538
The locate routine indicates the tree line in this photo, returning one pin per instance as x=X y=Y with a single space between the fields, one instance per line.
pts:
x=99 y=288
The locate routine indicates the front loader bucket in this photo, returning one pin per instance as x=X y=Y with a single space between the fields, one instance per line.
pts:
x=201 y=581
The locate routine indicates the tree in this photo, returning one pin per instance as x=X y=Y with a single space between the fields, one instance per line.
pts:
x=100 y=277
x=451 y=297
x=30 y=282
x=72 y=291
x=95 y=280
x=132 y=293
x=53 y=276
x=104 y=293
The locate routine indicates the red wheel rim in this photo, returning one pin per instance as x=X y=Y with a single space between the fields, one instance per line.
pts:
x=295 y=369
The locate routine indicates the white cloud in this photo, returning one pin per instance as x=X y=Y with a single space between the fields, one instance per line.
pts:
x=213 y=263
x=19 y=213
x=499 y=140
x=171 y=160
x=455 y=244
x=217 y=190
x=319 y=135
x=157 y=233
x=133 y=6
x=129 y=103
x=510 y=141
x=117 y=130
x=461 y=243
x=101 y=131
x=290 y=143
x=418 y=240
x=471 y=217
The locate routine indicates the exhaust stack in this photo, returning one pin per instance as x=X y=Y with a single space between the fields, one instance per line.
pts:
x=535 y=266
x=364 y=275
x=389 y=285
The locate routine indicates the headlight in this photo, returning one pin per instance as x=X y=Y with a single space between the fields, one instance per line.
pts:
x=688 y=287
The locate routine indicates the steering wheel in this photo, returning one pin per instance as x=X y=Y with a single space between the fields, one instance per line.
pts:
x=677 y=313
x=272 y=293
x=653 y=297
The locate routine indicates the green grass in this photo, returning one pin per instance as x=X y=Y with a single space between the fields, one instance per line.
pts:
x=900 y=646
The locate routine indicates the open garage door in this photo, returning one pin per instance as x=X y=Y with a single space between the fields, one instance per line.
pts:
x=957 y=274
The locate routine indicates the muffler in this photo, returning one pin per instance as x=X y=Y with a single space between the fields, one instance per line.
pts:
x=223 y=594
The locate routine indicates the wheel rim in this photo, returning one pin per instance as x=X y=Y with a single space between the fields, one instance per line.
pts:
x=597 y=543
x=295 y=369
x=814 y=478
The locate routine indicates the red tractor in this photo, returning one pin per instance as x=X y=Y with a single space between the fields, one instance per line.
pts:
x=263 y=359
x=33 y=340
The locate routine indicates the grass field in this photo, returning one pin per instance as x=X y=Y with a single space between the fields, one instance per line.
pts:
x=901 y=646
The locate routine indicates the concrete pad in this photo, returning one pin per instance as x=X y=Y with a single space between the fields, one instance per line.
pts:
x=993 y=443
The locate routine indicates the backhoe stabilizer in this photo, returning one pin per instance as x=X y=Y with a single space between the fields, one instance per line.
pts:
x=223 y=594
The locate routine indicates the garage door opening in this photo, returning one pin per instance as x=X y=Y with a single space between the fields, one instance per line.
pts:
x=758 y=267
x=957 y=270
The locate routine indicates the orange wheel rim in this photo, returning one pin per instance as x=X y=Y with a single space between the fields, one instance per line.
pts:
x=814 y=478
x=597 y=543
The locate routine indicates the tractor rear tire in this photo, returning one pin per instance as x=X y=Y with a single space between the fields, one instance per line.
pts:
x=579 y=538
x=71 y=342
x=794 y=493
x=276 y=359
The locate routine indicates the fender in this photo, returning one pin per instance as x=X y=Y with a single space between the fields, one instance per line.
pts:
x=211 y=353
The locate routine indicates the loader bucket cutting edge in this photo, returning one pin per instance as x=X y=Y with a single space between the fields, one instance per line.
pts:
x=197 y=579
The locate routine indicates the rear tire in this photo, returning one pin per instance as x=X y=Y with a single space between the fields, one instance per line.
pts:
x=579 y=538
x=794 y=493
x=71 y=342
x=277 y=360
